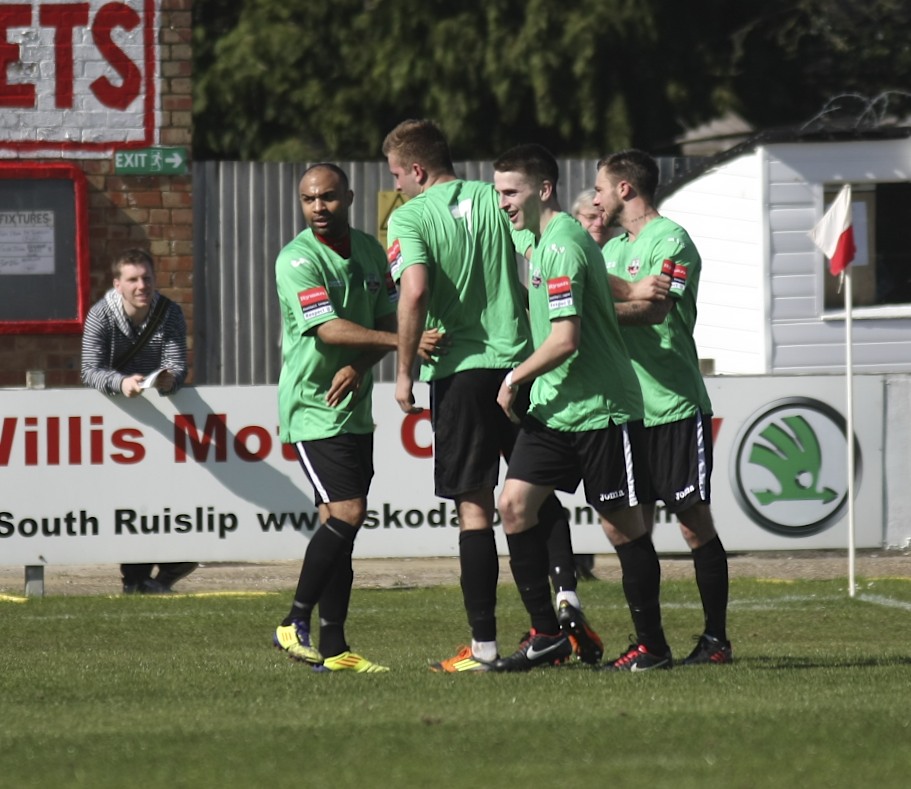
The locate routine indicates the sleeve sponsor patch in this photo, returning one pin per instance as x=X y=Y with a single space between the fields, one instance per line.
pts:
x=315 y=303
x=394 y=256
x=559 y=293
x=678 y=282
x=391 y=290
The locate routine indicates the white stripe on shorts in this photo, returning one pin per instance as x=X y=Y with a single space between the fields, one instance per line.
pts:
x=700 y=456
x=633 y=498
x=311 y=472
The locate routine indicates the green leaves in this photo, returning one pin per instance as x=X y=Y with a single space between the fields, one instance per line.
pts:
x=286 y=79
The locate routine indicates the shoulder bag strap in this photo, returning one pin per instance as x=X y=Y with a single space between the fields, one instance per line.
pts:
x=155 y=319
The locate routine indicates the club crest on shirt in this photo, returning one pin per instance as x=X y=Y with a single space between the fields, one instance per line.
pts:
x=315 y=303
x=632 y=268
x=536 y=278
x=559 y=293
x=373 y=283
x=394 y=256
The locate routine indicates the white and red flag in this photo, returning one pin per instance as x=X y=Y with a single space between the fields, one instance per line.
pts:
x=834 y=234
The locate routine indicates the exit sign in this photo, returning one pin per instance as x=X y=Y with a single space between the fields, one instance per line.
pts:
x=151 y=161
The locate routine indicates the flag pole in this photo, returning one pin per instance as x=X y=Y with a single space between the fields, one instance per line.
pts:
x=834 y=236
x=849 y=402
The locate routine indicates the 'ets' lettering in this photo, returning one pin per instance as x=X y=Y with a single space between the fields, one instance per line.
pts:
x=64 y=20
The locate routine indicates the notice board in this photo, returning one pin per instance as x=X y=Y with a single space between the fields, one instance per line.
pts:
x=44 y=258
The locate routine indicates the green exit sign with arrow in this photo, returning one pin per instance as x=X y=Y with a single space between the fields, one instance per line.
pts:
x=163 y=160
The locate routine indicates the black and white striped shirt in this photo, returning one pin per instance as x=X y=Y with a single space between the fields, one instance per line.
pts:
x=108 y=333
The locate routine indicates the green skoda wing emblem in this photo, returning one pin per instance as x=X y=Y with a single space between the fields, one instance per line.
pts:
x=788 y=468
x=793 y=456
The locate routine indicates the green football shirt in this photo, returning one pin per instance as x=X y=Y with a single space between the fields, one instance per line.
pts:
x=596 y=385
x=664 y=355
x=315 y=285
x=458 y=231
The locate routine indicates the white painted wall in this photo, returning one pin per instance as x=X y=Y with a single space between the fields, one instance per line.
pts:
x=897 y=461
x=723 y=213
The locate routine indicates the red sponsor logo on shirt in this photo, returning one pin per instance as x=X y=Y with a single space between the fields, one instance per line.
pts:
x=667 y=268
x=394 y=252
x=558 y=286
x=394 y=256
x=308 y=298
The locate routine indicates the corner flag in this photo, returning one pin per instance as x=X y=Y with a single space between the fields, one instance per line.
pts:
x=834 y=234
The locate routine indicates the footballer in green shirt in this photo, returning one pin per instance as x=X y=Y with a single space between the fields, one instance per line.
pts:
x=338 y=320
x=451 y=252
x=585 y=417
x=654 y=270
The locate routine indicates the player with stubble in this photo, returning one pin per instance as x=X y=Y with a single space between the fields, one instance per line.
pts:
x=658 y=327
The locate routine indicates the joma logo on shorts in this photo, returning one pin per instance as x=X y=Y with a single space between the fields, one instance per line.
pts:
x=682 y=494
x=611 y=495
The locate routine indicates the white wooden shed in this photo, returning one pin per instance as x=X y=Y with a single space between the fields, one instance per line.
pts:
x=767 y=303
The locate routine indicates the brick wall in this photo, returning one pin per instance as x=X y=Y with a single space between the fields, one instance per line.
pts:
x=153 y=212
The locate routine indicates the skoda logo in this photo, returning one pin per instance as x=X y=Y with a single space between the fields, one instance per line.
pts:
x=789 y=469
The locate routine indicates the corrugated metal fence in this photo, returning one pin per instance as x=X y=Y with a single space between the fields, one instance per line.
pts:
x=245 y=213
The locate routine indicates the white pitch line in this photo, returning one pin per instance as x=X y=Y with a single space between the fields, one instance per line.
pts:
x=888 y=602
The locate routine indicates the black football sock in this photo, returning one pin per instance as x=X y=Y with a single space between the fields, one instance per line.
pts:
x=333 y=607
x=326 y=545
x=480 y=571
x=528 y=561
x=555 y=528
x=711 y=564
x=642 y=586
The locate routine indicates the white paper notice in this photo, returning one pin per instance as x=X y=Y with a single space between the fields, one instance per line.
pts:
x=26 y=242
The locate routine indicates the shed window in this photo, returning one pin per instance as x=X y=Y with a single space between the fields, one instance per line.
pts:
x=881 y=273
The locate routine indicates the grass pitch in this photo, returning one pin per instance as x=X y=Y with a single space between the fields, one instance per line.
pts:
x=186 y=691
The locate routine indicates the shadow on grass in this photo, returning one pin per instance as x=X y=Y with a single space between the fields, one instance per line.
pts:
x=787 y=662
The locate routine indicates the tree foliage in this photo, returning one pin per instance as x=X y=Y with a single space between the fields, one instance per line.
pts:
x=295 y=80
x=793 y=56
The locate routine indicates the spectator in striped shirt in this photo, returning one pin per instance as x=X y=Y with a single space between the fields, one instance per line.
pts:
x=117 y=354
x=130 y=335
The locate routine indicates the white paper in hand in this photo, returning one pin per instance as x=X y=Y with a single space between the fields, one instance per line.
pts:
x=149 y=381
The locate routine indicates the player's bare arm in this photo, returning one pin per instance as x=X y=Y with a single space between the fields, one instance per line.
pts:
x=340 y=331
x=643 y=313
x=652 y=288
x=560 y=344
x=412 y=313
x=376 y=343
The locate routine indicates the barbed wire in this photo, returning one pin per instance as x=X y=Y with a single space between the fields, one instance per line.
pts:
x=858 y=111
